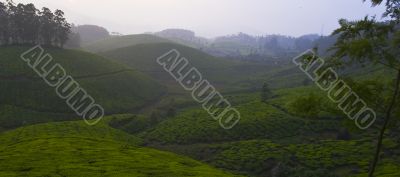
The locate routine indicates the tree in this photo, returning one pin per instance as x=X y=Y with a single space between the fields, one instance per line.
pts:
x=4 y=22
x=368 y=41
x=266 y=93
x=48 y=30
x=63 y=28
x=307 y=106
x=303 y=43
x=171 y=112
x=155 y=118
x=74 y=40
x=12 y=34
x=24 y=24
x=272 y=44
x=31 y=24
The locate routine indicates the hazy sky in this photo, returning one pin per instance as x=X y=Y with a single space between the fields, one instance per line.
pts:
x=212 y=18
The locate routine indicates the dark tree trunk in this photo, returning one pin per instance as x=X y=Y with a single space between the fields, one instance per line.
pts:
x=384 y=126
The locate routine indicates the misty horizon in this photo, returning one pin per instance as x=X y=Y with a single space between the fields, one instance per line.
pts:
x=226 y=88
x=212 y=19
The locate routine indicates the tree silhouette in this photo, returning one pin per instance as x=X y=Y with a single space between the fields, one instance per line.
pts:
x=63 y=28
x=24 y=24
x=368 y=41
x=4 y=22
x=266 y=93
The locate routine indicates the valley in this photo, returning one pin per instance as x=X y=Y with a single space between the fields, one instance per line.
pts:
x=287 y=125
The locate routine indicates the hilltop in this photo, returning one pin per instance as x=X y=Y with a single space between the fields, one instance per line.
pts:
x=76 y=149
x=116 y=42
x=27 y=99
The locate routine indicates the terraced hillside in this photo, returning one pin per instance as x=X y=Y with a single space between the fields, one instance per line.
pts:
x=261 y=157
x=258 y=121
x=76 y=149
x=27 y=99
x=270 y=141
x=224 y=74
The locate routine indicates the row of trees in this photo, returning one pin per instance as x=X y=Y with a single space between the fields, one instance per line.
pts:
x=24 y=24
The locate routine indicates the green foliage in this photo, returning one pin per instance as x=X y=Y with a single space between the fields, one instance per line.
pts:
x=266 y=158
x=366 y=40
x=258 y=120
x=155 y=118
x=307 y=106
x=24 y=24
x=369 y=41
x=266 y=93
x=12 y=117
x=116 y=87
x=76 y=149
x=171 y=112
x=374 y=92
x=131 y=123
x=226 y=75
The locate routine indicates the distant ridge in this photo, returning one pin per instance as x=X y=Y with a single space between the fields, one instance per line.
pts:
x=116 y=42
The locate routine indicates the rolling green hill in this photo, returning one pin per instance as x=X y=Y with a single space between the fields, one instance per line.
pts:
x=258 y=121
x=261 y=157
x=269 y=140
x=26 y=98
x=226 y=75
x=76 y=149
x=123 y=41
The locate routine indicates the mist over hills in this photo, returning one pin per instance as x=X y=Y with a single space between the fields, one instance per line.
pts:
x=239 y=45
x=302 y=118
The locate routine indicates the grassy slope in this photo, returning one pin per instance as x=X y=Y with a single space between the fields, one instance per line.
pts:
x=222 y=73
x=123 y=41
x=258 y=121
x=76 y=149
x=27 y=99
x=319 y=158
x=225 y=75
x=269 y=137
x=268 y=140
x=274 y=121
